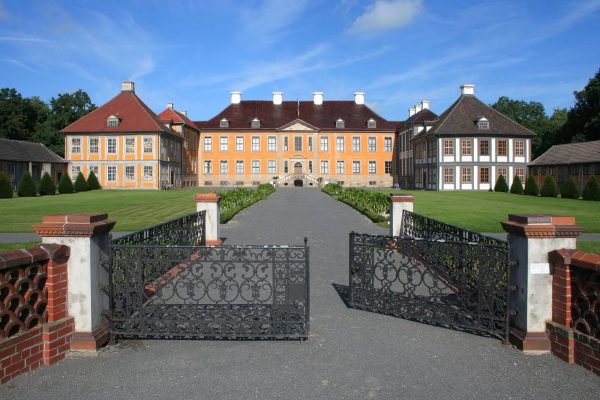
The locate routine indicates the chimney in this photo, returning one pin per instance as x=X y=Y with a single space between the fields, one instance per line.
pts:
x=277 y=98
x=425 y=104
x=318 y=98
x=127 y=87
x=411 y=112
x=236 y=97
x=184 y=113
x=359 y=97
x=170 y=106
x=467 y=88
x=418 y=108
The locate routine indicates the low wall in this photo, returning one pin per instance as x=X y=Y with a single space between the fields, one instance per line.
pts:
x=35 y=329
x=574 y=332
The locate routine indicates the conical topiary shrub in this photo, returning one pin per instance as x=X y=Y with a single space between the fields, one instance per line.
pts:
x=26 y=186
x=65 y=186
x=81 y=184
x=570 y=190
x=549 y=189
x=501 y=185
x=517 y=186
x=47 y=187
x=6 y=191
x=531 y=187
x=92 y=181
x=591 y=190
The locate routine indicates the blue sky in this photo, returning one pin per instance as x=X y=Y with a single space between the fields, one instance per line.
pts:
x=193 y=53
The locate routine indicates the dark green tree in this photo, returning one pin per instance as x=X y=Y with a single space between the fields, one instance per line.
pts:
x=583 y=121
x=65 y=185
x=20 y=117
x=6 y=191
x=591 y=190
x=531 y=187
x=501 y=185
x=26 y=186
x=92 y=181
x=46 y=186
x=517 y=186
x=569 y=190
x=81 y=184
x=549 y=189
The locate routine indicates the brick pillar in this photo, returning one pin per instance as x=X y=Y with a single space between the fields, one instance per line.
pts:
x=209 y=202
x=531 y=238
x=399 y=203
x=88 y=236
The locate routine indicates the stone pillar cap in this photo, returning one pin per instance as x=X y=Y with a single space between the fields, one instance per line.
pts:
x=74 y=224
x=207 y=197
x=401 y=198
x=542 y=226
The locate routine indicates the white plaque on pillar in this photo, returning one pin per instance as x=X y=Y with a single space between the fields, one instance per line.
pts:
x=540 y=268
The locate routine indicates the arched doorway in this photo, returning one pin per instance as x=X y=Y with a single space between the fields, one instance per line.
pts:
x=298 y=167
x=298 y=183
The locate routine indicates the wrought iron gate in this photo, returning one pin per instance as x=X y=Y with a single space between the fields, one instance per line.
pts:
x=435 y=273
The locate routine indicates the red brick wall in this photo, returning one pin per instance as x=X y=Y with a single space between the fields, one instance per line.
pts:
x=35 y=328
x=567 y=341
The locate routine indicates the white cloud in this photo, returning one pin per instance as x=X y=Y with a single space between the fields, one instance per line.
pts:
x=21 y=39
x=386 y=15
x=270 y=21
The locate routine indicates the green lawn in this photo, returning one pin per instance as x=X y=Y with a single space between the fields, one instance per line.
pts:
x=589 y=247
x=16 y=246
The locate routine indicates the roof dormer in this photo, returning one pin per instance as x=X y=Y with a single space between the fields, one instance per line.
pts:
x=112 y=121
x=255 y=123
x=339 y=123
x=371 y=124
x=224 y=123
x=483 y=123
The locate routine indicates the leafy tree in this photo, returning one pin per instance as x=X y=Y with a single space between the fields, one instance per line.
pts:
x=591 y=190
x=549 y=189
x=583 y=122
x=20 y=117
x=517 y=186
x=531 y=187
x=501 y=185
x=81 y=184
x=65 y=186
x=6 y=191
x=569 y=189
x=92 y=181
x=26 y=186
x=46 y=187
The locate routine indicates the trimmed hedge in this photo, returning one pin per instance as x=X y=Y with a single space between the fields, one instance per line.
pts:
x=47 y=187
x=501 y=185
x=591 y=190
x=549 y=189
x=6 y=191
x=65 y=185
x=517 y=186
x=265 y=189
x=235 y=200
x=570 y=190
x=333 y=189
x=92 y=182
x=27 y=186
x=531 y=187
x=81 y=184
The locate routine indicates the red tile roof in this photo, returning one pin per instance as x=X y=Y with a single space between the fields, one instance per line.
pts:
x=170 y=114
x=134 y=116
x=323 y=116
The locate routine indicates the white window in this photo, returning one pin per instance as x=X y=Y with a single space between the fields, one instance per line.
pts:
x=310 y=167
x=484 y=175
x=272 y=167
x=324 y=143
x=356 y=143
x=112 y=121
x=519 y=148
x=340 y=167
x=129 y=145
x=387 y=144
x=297 y=143
x=372 y=167
x=356 y=167
x=75 y=145
x=285 y=167
x=466 y=148
x=285 y=143
x=272 y=143
x=466 y=174
x=148 y=145
x=448 y=147
x=208 y=143
x=388 y=167
x=484 y=147
x=148 y=172
x=520 y=172
x=75 y=170
x=371 y=124
x=324 y=167
x=224 y=167
x=224 y=123
x=339 y=144
x=94 y=169
x=309 y=146
x=372 y=144
x=339 y=123
x=255 y=143
x=448 y=175
x=111 y=173
x=130 y=173
x=207 y=166
x=255 y=123
x=224 y=143
x=239 y=143
x=255 y=166
x=239 y=167
x=483 y=123
x=94 y=144
x=111 y=145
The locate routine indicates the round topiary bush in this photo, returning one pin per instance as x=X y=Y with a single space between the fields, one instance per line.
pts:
x=501 y=185
x=46 y=187
x=549 y=189
x=81 y=184
x=531 y=187
x=6 y=191
x=92 y=181
x=26 y=186
x=591 y=190
x=65 y=185
x=517 y=186
x=570 y=190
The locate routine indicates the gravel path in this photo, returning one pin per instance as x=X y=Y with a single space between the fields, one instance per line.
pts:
x=351 y=354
